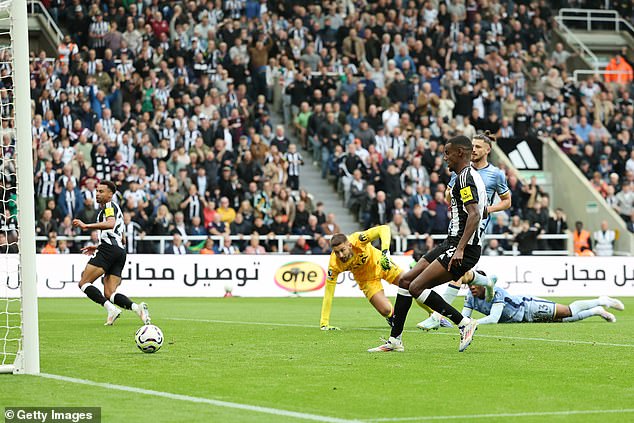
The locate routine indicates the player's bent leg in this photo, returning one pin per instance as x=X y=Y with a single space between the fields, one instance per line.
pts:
x=436 y=320
x=90 y=274
x=421 y=289
x=574 y=313
x=383 y=305
x=406 y=279
x=111 y=283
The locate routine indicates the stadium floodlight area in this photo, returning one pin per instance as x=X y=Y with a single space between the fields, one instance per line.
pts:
x=19 y=345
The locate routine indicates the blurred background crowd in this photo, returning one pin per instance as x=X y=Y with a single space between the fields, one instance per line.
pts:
x=204 y=112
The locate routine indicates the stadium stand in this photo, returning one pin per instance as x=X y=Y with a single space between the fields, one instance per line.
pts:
x=176 y=102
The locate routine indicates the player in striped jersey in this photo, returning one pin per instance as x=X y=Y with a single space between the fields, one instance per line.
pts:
x=495 y=183
x=108 y=258
x=450 y=260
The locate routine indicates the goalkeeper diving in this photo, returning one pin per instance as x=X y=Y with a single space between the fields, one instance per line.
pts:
x=355 y=253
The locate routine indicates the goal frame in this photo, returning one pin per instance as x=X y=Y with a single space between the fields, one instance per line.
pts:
x=27 y=360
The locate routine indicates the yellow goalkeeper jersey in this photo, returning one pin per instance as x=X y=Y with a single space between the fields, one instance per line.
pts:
x=364 y=265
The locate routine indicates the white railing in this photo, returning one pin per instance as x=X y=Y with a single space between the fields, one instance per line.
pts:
x=579 y=44
x=401 y=243
x=36 y=7
x=594 y=16
x=577 y=72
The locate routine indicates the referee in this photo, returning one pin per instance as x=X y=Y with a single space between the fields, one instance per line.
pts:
x=108 y=258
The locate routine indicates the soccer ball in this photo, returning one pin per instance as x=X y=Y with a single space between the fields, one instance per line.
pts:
x=149 y=338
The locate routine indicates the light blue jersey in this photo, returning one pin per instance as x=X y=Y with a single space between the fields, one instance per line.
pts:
x=494 y=181
x=514 y=306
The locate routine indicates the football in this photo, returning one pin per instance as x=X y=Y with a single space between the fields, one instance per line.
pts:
x=149 y=338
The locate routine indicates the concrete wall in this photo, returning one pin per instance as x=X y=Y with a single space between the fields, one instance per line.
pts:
x=580 y=201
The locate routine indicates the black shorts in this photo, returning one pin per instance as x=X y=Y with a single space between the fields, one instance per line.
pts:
x=444 y=252
x=111 y=259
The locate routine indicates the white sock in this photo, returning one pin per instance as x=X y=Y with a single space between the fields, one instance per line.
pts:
x=581 y=305
x=404 y=292
x=109 y=306
x=479 y=279
x=135 y=307
x=423 y=297
x=450 y=293
x=584 y=314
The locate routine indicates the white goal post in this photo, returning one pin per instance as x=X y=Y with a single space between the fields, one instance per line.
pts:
x=20 y=325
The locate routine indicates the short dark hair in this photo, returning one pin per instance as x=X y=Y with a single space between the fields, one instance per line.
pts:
x=111 y=186
x=461 y=141
x=337 y=239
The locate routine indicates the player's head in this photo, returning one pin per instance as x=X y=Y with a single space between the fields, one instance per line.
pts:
x=458 y=152
x=105 y=191
x=477 y=291
x=341 y=247
x=482 y=146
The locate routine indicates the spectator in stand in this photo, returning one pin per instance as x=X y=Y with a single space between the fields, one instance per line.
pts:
x=208 y=248
x=526 y=239
x=177 y=247
x=254 y=245
x=557 y=225
x=604 y=240
x=581 y=239
x=227 y=247
x=51 y=244
x=493 y=248
x=301 y=246
x=330 y=227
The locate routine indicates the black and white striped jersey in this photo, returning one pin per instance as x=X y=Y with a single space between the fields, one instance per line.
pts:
x=469 y=188
x=112 y=236
x=46 y=184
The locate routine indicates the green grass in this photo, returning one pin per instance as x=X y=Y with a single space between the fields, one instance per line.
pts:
x=301 y=369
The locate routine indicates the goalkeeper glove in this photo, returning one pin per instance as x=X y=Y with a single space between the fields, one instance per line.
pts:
x=328 y=327
x=385 y=260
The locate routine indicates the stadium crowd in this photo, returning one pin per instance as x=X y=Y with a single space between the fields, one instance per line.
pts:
x=175 y=103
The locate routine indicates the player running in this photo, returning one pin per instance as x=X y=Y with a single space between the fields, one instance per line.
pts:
x=495 y=183
x=109 y=259
x=506 y=308
x=453 y=258
x=368 y=265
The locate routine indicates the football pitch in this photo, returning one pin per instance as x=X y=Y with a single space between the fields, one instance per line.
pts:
x=265 y=360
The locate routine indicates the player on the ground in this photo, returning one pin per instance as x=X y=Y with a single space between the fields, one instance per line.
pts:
x=109 y=259
x=368 y=265
x=495 y=183
x=450 y=260
x=506 y=308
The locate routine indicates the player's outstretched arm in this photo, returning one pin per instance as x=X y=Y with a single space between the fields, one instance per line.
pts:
x=326 y=304
x=383 y=232
x=378 y=232
x=494 y=315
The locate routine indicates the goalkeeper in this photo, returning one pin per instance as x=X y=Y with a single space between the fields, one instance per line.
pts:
x=369 y=266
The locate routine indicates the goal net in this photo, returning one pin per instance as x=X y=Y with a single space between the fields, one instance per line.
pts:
x=19 y=349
